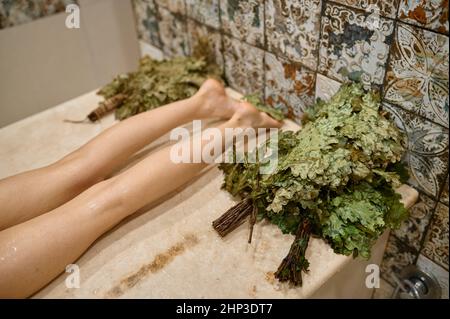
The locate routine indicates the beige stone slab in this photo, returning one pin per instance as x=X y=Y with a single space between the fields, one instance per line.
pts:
x=169 y=250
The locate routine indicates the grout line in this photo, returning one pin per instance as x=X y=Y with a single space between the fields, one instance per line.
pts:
x=424 y=234
x=443 y=187
x=222 y=41
x=281 y=57
x=159 y=45
x=407 y=246
x=185 y=15
x=265 y=46
x=189 y=38
x=158 y=20
x=430 y=222
x=242 y=40
x=185 y=8
x=426 y=230
x=422 y=28
x=219 y=29
x=388 y=18
x=188 y=50
x=414 y=113
x=424 y=193
x=329 y=77
x=397 y=9
x=421 y=191
x=319 y=45
x=264 y=52
x=219 y=4
x=358 y=10
x=388 y=60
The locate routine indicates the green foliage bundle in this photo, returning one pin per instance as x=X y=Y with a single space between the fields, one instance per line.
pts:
x=157 y=83
x=335 y=179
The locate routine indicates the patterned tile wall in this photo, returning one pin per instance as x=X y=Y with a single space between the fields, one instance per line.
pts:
x=353 y=46
x=16 y=12
x=292 y=51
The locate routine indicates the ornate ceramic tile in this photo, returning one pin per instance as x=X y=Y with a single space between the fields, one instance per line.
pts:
x=396 y=256
x=427 y=154
x=436 y=244
x=172 y=31
x=444 y=194
x=204 y=11
x=431 y=14
x=417 y=75
x=289 y=86
x=176 y=6
x=326 y=87
x=198 y=31
x=413 y=229
x=381 y=7
x=147 y=21
x=384 y=292
x=292 y=29
x=354 y=45
x=244 y=20
x=438 y=272
x=22 y=11
x=243 y=66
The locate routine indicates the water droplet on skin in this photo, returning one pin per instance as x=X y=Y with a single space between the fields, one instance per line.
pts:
x=93 y=205
x=10 y=254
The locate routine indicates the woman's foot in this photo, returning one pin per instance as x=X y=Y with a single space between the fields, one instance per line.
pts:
x=215 y=102
x=247 y=116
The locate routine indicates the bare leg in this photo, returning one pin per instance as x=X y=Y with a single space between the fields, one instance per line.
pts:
x=35 y=192
x=34 y=252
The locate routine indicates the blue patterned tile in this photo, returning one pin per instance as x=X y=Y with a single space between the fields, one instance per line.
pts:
x=326 y=87
x=354 y=45
x=397 y=255
x=147 y=21
x=444 y=194
x=292 y=29
x=175 y=6
x=172 y=31
x=381 y=7
x=244 y=20
x=427 y=150
x=417 y=75
x=431 y=14
x=204 y=11
x=436 y=244
x=412 y=230
x=243 y=66
x=197 y=31
x=289 y=86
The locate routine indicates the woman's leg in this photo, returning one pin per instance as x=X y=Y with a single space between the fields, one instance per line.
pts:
x=35 y=192
x=36 y=251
